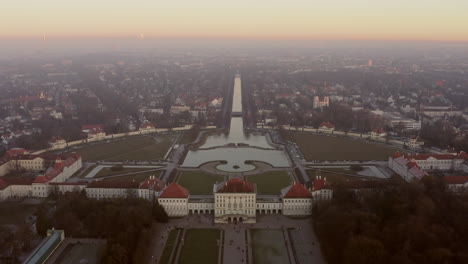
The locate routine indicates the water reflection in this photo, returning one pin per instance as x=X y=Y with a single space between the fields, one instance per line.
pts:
x=235 y=157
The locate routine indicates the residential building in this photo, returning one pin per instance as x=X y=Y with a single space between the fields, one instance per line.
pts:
x=321 y=103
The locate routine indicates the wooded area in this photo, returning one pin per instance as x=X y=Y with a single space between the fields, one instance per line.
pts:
x=406 y=223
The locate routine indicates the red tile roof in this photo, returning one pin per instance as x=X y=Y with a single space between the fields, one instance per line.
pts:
x=15 y=152
x=236 y=185
x=379 y=131
x=153 y=184
x=174 y=190
x=327 y=125
x=297 y=190
x=319 y=184
x=456 y=179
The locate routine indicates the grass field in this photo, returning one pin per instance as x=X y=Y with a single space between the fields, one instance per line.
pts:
x=82 y=253
x=200 y=247
x=170 y=244
x=187 y=138
x=269 y=246
x=131 y=148
x=270 y=182
x=318 y=147
x=15 y=212
x=199 y=183
x=105 y=172
x=138 y=177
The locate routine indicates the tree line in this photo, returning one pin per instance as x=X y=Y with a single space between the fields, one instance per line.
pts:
x=407 y=223
x=126 y=224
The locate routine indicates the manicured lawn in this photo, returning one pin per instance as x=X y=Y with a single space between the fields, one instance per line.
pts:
x=139 y=177
x=319 y=147
x=131 y=148
x=104 y=172
x=187 y=138
x=82 y=253
x=270 y=182
x=170 y=244
x=15 y=212
x=199 y=183
x=269 y=246
x=200 y=247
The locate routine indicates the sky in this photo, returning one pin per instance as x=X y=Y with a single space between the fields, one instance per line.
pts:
x=434 y=20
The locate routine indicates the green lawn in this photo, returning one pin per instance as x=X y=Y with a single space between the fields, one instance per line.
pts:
x=82 y=253
x=188 y=138
x=200 y=247
x=170 y=244
x=319 y=147
x=104 y=172
x=130 y=148
x=269 y=246
x=270 y=182
x=199 y=183
x=138 y=177
x=15 y=212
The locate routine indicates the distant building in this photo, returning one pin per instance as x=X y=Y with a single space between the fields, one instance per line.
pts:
x=64 y=166
x=45 y=249
x=456 y=184
x=94 y=132
x=408 y=170
x=414 y=166
x=396 y=120
x=58 y=143
x=321 y=103
x=377 y=134
x=326 y=127
x=415 y=143
x=147 y=127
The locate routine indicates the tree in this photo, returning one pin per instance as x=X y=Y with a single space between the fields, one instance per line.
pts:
x=43 y=222
x=364 y=250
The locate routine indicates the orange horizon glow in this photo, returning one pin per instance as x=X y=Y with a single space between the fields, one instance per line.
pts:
x=416 y=20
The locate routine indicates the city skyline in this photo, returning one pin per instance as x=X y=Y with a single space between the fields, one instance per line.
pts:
x=308 y=20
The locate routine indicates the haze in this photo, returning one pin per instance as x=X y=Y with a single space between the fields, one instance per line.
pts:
x=434 y=20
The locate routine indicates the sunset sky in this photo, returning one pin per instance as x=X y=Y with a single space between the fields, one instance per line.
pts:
x=441 y=20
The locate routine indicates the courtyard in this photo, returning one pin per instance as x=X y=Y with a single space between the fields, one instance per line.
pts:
x=269 y=246
x=321 y=147
x=273 y=239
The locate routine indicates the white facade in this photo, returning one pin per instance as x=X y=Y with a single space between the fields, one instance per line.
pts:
x=109 y=193
x=15 y=191
x=174 y=207
x=40 y=190
x=268 y=206
x=297 y=206
x=235 y=207
x=322 y=194
x=200 y=207
x=321 y=103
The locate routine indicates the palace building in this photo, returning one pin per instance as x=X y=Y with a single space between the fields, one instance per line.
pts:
x=236 y=200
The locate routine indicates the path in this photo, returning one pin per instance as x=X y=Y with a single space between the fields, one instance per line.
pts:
x=235 y=243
